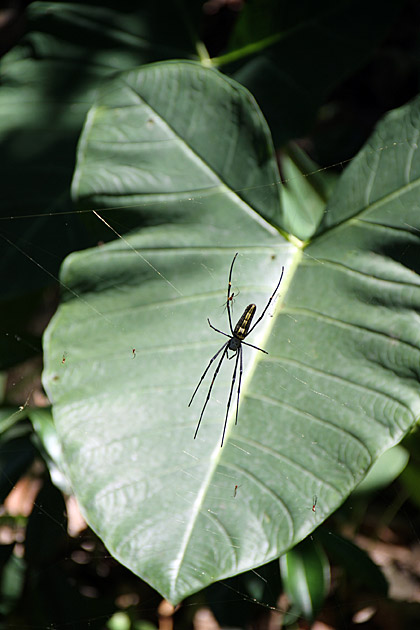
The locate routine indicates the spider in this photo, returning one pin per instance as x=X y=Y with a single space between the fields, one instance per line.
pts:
x=235 y=341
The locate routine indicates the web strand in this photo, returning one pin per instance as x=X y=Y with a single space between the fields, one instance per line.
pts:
x=136 y=252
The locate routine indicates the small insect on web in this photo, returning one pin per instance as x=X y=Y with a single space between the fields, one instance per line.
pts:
x=235 y=340
x=230 y=300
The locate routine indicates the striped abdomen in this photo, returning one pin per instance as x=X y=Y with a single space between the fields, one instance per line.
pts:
x=244 y=322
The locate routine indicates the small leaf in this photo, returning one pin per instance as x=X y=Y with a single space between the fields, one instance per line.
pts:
x=46 y=431
x=305 y=572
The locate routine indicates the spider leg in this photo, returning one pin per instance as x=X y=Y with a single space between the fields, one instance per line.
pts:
x=239 y=384
x=216 y=329
x=228 y=293
x=268 y=304
x=206 y=370
x=224 y=348
x=255 y=347
x=234 y=353
x=238 y=352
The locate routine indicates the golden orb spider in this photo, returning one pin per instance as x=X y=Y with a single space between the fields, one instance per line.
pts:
x=235 y=340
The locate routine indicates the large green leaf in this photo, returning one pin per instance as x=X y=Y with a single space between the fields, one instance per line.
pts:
x=183 y=156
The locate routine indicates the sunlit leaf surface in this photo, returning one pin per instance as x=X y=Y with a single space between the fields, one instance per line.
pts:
x=182 y=156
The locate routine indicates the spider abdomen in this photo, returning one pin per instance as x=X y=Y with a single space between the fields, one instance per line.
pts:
x=244 y=322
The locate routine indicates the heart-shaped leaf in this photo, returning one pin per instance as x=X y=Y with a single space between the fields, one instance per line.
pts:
x=183 y=160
